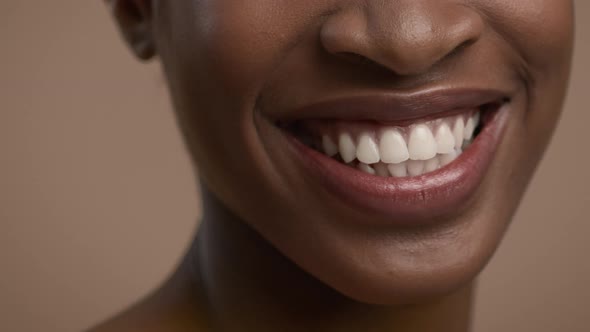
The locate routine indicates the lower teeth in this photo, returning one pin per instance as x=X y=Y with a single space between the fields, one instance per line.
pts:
x=408 y=168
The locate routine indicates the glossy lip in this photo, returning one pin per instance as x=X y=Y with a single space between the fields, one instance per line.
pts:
x=398 y=107
x=411 y=200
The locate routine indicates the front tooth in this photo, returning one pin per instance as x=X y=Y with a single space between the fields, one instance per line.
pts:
x=431 y=165
x=469 y=129
x=381 y=170
x=448 y=158
x=367 y=150
x=392 y=147
x=458 y=129
x=330 y=148
x=398 y=170
x=445 y=141
x=346 y=147
x=422 y=145
x=415 y=167
x=366 y=168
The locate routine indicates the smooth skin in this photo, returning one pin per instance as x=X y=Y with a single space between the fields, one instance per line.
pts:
x=275 y=252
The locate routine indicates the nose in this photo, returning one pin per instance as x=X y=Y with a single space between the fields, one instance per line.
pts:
x=407 y=37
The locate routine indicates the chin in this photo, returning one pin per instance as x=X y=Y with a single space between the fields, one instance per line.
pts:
x=403 y=268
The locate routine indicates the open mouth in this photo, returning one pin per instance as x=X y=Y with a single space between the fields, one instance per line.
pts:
x=408 y=159
x=388 y=150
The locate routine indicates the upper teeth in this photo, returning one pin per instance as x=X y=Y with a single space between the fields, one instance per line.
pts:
x=330 y=148
x=414 y=150
x=347 y=147
x=458 y=129
x=421 y=144
x=392 y=147
x=367 y=150
x=445 y=141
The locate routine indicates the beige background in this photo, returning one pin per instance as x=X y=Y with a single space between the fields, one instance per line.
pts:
x=97 y=199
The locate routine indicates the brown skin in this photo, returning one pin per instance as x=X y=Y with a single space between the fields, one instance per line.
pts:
x=275 y=253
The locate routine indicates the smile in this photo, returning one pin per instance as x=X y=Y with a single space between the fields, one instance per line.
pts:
x=392 y=151
x=420 y=159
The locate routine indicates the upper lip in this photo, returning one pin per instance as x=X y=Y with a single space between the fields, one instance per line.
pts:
x=398 y=107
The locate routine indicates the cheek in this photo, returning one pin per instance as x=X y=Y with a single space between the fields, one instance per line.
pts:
x=217 y=64
x=219 y=55
x=222 y=43
x=541 y=30
x=243 y=41
x=547 y=43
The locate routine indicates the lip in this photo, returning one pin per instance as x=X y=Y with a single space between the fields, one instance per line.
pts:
x=410 y=200
x=397 y=107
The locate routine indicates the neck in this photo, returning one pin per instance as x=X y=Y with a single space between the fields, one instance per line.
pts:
x=249 y=286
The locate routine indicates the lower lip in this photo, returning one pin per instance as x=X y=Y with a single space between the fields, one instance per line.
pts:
x=410 y=200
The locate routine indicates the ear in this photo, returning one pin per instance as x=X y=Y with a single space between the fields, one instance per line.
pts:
x=134 y=18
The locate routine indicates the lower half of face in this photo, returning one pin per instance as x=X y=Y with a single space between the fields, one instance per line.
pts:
x=382 y=148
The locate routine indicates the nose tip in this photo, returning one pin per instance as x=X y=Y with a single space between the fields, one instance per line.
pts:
x=406 y=37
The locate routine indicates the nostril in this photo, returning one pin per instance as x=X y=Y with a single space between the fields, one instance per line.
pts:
x=460 y=48
x=364 y=62
x=358 y=59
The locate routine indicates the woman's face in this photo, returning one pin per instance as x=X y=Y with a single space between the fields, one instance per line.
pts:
x=289 y=106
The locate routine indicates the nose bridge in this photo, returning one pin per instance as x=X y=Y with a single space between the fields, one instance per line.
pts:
x=406 y=36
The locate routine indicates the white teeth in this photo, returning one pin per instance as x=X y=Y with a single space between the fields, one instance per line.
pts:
x=445 y=141
x=330 y=148
x=347 y=148
x=392 y=147
x=448 y=158
x=431 y=165
x=469 y=129
x=398 y=170
x=458 y=129
x=415 y=167
x=421 y=145
x=367 y=150
x=471 y=125
x=366 y=168
x=381 y=169
x=400 y=152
